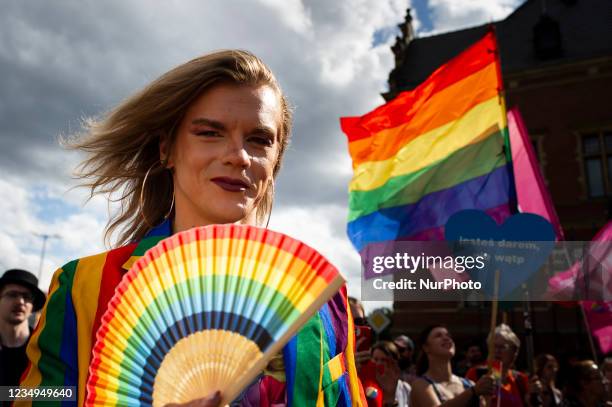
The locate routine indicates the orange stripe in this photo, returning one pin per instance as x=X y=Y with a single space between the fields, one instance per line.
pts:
x=436 y=110
x=33 y=377
x=392 y=114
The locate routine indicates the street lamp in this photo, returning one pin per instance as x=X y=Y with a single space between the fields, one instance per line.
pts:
x=44 y=237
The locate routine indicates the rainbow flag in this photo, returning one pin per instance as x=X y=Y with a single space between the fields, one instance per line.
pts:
x=433 y=151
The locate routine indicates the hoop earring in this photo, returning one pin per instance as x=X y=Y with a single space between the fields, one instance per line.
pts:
x=162 y=164
x=271 y=203
x=171 y=206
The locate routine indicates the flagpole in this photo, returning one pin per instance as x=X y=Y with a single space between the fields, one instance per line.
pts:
x=584 y=267
x=588 y=329
x=494 y=304
x=576 y=297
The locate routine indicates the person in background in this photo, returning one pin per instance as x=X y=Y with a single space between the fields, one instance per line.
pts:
x=386 y=357
x=405 y=346
x=585 y=386
x=362 y=342
x=19 y=298
x=606 y=369
x=546 y=368
x=437 y=385
x=515 y=388
x=473 y=357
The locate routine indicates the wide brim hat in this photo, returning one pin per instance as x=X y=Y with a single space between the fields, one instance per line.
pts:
x=26 y=279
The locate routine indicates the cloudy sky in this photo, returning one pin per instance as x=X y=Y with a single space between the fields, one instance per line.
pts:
x=64 y=60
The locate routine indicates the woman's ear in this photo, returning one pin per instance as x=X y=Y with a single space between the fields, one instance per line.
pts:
x=164 y=152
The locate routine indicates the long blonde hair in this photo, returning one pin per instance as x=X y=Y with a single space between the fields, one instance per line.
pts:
x=124 y=145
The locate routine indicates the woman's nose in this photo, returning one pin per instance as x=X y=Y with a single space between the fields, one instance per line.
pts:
x=236 y=154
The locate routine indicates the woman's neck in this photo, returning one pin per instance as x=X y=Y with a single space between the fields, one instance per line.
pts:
x=439 y=369
x=184 y=221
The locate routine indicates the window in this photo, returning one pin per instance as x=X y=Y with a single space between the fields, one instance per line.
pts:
x=597 y=155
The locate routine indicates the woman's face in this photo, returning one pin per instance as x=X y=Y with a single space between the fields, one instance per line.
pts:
x=549 y=371
x=224 y=154
x=440 y=343
x=504 y=351
x=379 y=357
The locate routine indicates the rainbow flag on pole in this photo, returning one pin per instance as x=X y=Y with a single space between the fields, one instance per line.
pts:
x=433 y=151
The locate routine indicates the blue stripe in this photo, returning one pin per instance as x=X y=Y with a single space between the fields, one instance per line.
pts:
x=69 y=344
x=163 y=229
x=290 y=360
x=345 y=394
x=329 y=330
x=433 y=210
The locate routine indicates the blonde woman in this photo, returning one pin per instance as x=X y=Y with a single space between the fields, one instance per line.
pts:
x=200 y=145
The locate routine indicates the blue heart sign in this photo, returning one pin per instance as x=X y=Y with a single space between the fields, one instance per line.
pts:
x=517 y=248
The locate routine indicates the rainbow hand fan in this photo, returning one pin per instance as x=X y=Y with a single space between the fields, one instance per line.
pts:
x=205 y=310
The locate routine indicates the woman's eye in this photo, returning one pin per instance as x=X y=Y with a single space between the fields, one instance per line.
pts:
x=261 y=140
x=208 y=133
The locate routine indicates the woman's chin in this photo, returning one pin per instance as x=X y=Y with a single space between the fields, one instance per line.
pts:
x=234 y=214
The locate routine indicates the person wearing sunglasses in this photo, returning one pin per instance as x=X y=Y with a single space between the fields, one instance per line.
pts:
x=19 y=297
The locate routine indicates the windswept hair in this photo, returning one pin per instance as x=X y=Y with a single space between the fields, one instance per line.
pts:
x=124 y=144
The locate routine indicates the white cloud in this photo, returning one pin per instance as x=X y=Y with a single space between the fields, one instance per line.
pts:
x=449 y=15
x=323 y=228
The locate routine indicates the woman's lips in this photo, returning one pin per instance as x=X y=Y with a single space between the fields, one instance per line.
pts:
x=231 y=184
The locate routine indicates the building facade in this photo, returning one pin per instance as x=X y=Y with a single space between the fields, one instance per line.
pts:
x=556 y=58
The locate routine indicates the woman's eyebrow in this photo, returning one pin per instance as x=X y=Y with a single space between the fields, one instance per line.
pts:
x=208 y=122
x=266 y=130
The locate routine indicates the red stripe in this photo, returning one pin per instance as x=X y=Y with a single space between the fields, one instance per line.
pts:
x=398 y=111
x=111 y=276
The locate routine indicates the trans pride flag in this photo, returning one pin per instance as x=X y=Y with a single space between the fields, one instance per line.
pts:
x=433 y=151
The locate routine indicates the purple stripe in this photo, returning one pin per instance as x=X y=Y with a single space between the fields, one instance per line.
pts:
x=499 y=214
x=337 y=312
x=488 y=191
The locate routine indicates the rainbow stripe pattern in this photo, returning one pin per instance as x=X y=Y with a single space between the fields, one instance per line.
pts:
x=259 y=284
x=431 y=152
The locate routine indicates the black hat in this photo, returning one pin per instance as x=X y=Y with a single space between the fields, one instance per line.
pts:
x=26 y=279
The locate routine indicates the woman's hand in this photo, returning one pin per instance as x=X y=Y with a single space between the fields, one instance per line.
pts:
x=211 y=401
x=535 y=385
x=388 y=377
x=485 y=386
x=361 y=357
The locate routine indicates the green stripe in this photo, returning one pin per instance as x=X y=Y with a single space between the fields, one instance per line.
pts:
x=147 y=243
x=51 y=367
x=464 y=164
x=331 y=390
x=306 y=388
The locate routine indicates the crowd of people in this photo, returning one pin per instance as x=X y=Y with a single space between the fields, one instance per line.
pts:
x=433 y=374
x=393 y=373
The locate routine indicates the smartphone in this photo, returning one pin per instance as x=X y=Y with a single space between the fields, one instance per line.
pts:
x=362 y=331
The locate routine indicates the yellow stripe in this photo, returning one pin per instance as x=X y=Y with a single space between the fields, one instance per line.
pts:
x=86 y=288
x=433 y=146
x=349 y=353
x=335 y=367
